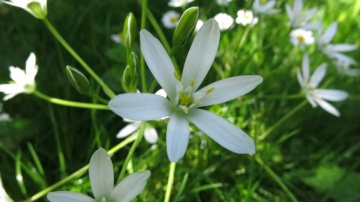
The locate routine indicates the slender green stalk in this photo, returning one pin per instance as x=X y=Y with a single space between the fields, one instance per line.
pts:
x=132 y=150
x=170 y=181
x=79 y=172
x=294 y=96
x=142 y=61
x=276 y=178
x=57 y=35
x=282 y=120
x=70 y=103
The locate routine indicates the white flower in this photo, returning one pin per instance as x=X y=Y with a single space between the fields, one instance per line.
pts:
x=224 y=20
x=23 y=81
x=37 y=8
x=179 y=3
x=117 y=38
x=185 y=98
x=318 y=96
x=246 y=17
x=301 y=37
x=264 y=7
x=343 y=65
x=170 y=19
x=334 y=51
x=101 y=175
x=5 y=117
x=299 y=19
x=223 y=2
x=199 y=24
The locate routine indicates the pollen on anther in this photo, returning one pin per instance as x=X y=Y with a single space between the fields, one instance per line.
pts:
x=176 y=75
x=197 y=102
x=192 y=83
x=210 y=90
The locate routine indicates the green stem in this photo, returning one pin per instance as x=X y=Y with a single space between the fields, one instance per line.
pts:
x=70 y=103
x=57 y=35
x=170 y=182
x=276 y=178
x=294 y=96
x=142 y=61
x=282 y=120
x=80 y=171
x=132 y=150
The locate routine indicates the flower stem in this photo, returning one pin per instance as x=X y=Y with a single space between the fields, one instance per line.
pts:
x=282 y=120
x=57 y=35
x=142 y=61
x=132 y=150
x=276 y=178
x=294 y=96
x=80 y=171
x=170 y=182
x=70 y=103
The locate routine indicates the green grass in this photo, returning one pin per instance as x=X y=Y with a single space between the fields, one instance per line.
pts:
x=310 y=156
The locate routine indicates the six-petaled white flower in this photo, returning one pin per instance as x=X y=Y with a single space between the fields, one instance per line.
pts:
x=299 y=19
x=184 y=97
x=101 y=175
x=37 y=8
x=246 y=17
x=179 y=3
x=264 y=7
x=343 y=66
x=318 y=96
x=23 y=81
x=170 y=19
x=301 y=37
x=224 y=20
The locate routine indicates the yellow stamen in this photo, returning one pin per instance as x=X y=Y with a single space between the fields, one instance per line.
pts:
x=210 y=90
x=176 y=75
x=301 y=38
x=192 y=83
x=197 y=101
x=186 y=110
x=185 y=99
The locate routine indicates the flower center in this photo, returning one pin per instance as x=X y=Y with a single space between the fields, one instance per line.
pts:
x=301 y=39
x=185 y=99
x=263 y=2
x=173 y=19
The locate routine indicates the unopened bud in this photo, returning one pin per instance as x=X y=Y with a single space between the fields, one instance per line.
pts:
x=130 y=30
x=129 y=79
x=78 y=80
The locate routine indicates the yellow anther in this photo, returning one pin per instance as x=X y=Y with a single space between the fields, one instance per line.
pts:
x=186 y=110
x=210 y=90
x=192 y=83
x=197 y=101
x=176 y=75
x=185 y=99
x=103 y=199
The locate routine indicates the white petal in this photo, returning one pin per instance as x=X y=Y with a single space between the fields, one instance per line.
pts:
x=342 y=47
x=228 y=89
x=330 y=32
x=101 y=174
x=327 y=107
x=310 y=13
x=318 y=76
x=298 y=7
x=140 y=107
x=161 y=92
x=311 y=100
x=65 y=196
x=128 y=129
x=159 y=62
x=11 y=88
x=177 y=136
x=18 y=75
x=151 y=135
x=222 y=131
x=331 y=95
x=289 y=12
x=300 y=78
x=201 y=54
x=130 y=187
x=306 y=68
x=31 y=69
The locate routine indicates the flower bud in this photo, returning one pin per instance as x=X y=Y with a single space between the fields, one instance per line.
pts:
x=185 y=27
x=130 y=30
x=37 y=10
x=130 y=78
x=78 y=80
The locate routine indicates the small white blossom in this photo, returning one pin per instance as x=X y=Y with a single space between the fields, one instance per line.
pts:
x=264 y=7
x=301 y=37
x=343 y=66
x=314 y=95
x=246 y=17
x=179 y=3
x=23 y=81
x=184 y=98
x=224 y=20
x=101 y=173
x=298 y=19
x=223 y=2
x=117 y=38
x=37 y=8
x=170 y=19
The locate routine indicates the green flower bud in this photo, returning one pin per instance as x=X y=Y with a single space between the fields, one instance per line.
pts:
x=37 y=10
x=78 y=80
x=130 y=30
x=185 y=27
x=130 y=78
